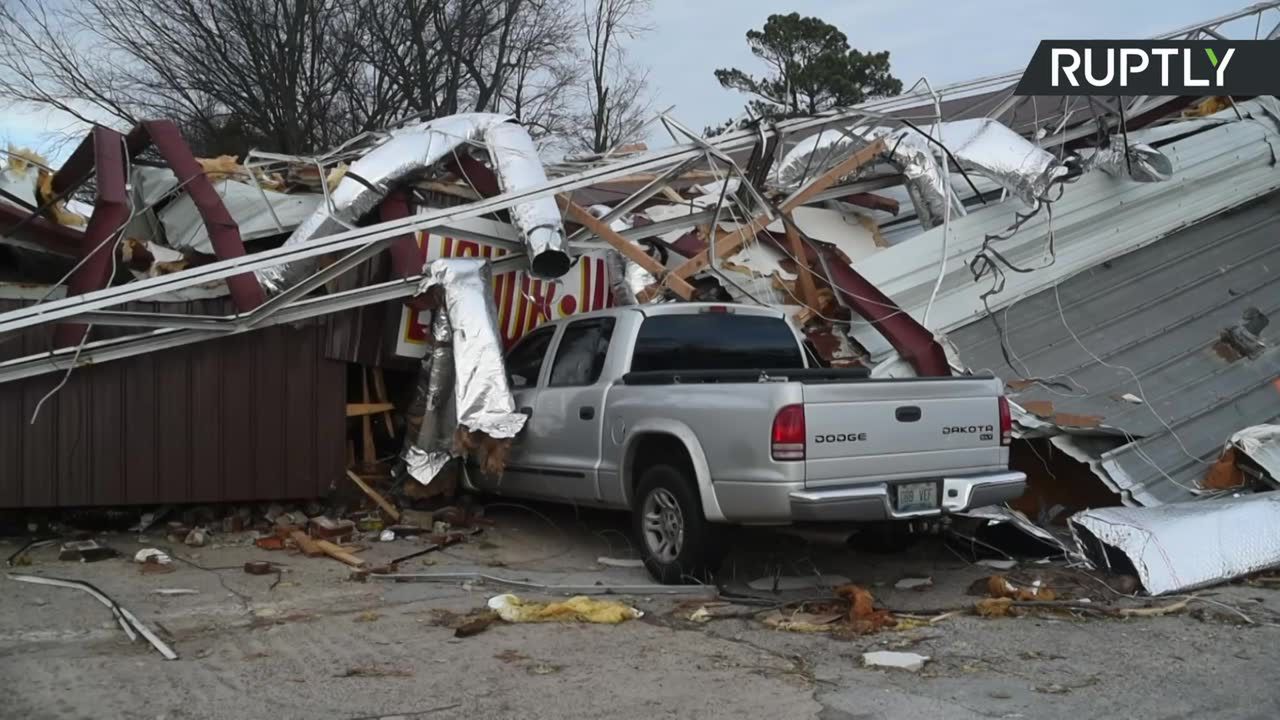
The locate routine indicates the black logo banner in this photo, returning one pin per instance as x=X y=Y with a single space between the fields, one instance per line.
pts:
x=1153 y=67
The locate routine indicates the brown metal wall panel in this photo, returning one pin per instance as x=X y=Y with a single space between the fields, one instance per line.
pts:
x=268 y=413
x=253 y=417
x=238 y=417
x=173 y=417
x=71 y=426
x=142 y=430
x=331 y=437
x=207 y=478
x=299 y=392
x=10 y=445
x=107 y=433
x=38 y=468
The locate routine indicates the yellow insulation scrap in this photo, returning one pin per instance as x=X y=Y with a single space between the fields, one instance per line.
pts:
x=223 y=167
x=576 y=609
x=335 y=176
x=22 y=159
x=58 y=210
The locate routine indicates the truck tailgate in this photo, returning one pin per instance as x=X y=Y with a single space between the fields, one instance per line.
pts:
x=882 y=430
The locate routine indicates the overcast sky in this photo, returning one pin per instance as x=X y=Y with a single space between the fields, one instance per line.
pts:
x=944 y=40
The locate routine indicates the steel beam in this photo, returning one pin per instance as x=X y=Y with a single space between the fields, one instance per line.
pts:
x=102 y=149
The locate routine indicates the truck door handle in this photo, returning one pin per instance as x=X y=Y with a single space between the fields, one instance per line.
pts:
x=907 y=413
x=586 y=412
x=526 y=411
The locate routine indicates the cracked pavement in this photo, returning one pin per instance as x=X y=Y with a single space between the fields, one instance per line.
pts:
x=321 y=646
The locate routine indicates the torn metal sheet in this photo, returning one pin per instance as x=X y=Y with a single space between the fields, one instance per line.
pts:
x=1182 y=546
x=484 y=400
x=258 y=213
x=1261 y=443
x=998 y=514
x=412 y=151
x=1139 y=161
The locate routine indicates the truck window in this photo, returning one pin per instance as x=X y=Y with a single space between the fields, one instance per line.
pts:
x=580 y=356
x=524 y=362
x=715 y=341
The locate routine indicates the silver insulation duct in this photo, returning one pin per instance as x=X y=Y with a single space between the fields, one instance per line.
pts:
x=1139 y=161
x=908 y=152
x=982 y=146
x=1187 y=545
x=985 y=146
x=483 y=396
x=627 y=280
x=619 y=288
x=430 y=448
x=410 y=152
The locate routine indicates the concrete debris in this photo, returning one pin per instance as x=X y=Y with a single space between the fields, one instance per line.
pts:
x=197 y=537
x=85 y=551
x=170 y=592
x=152 y=555
x=911 y=662
x=996 y=564
x=387 y=535
x=620 y=562
x=920 y=583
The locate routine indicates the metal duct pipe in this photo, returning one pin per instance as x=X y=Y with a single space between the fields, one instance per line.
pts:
x=627 y=280
x=411 y=151
x=429 y=446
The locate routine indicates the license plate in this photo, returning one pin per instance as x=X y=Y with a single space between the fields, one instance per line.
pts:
x=914 y=497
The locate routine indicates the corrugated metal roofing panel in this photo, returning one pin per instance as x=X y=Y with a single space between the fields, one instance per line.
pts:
x=1098 y=218
x=1157 y=314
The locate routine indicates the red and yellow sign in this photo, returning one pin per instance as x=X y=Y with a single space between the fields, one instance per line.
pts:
x=522 y=302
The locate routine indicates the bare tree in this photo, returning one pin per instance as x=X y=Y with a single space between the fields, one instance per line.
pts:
x=301 y=75
x=449 y=56
x=276 y=72
x=615 y=102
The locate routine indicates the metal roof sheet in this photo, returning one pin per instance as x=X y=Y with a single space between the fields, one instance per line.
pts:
x=1097 y=219
x=1148 y=324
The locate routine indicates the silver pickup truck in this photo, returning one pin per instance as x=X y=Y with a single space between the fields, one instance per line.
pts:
x=695 y=416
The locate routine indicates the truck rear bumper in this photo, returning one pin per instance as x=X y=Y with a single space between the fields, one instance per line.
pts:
x=864 y=503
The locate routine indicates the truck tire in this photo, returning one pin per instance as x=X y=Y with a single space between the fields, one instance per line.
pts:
x=677 y=543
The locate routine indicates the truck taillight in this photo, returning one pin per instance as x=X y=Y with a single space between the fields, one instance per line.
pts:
x=1006 y=422
x=788 y=433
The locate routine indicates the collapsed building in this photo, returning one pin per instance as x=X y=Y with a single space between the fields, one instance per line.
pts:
x=239 y=329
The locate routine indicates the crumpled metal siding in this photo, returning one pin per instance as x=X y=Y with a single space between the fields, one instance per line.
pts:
x=1097 y=219
x=1158 y=311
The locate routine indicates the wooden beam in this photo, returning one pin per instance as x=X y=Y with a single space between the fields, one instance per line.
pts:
x=307 y=545
x=730 y=243
x=369 y=453
x=672 y=195
x=338 y=553
x=383 y=503
x=633 y=252
x=804 y=276
x=380 y=394
x=361 y=409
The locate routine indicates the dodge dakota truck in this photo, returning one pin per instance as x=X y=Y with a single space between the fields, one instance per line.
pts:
x=695 y=416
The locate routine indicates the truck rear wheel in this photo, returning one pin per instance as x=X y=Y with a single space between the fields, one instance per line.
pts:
x=677 y=543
